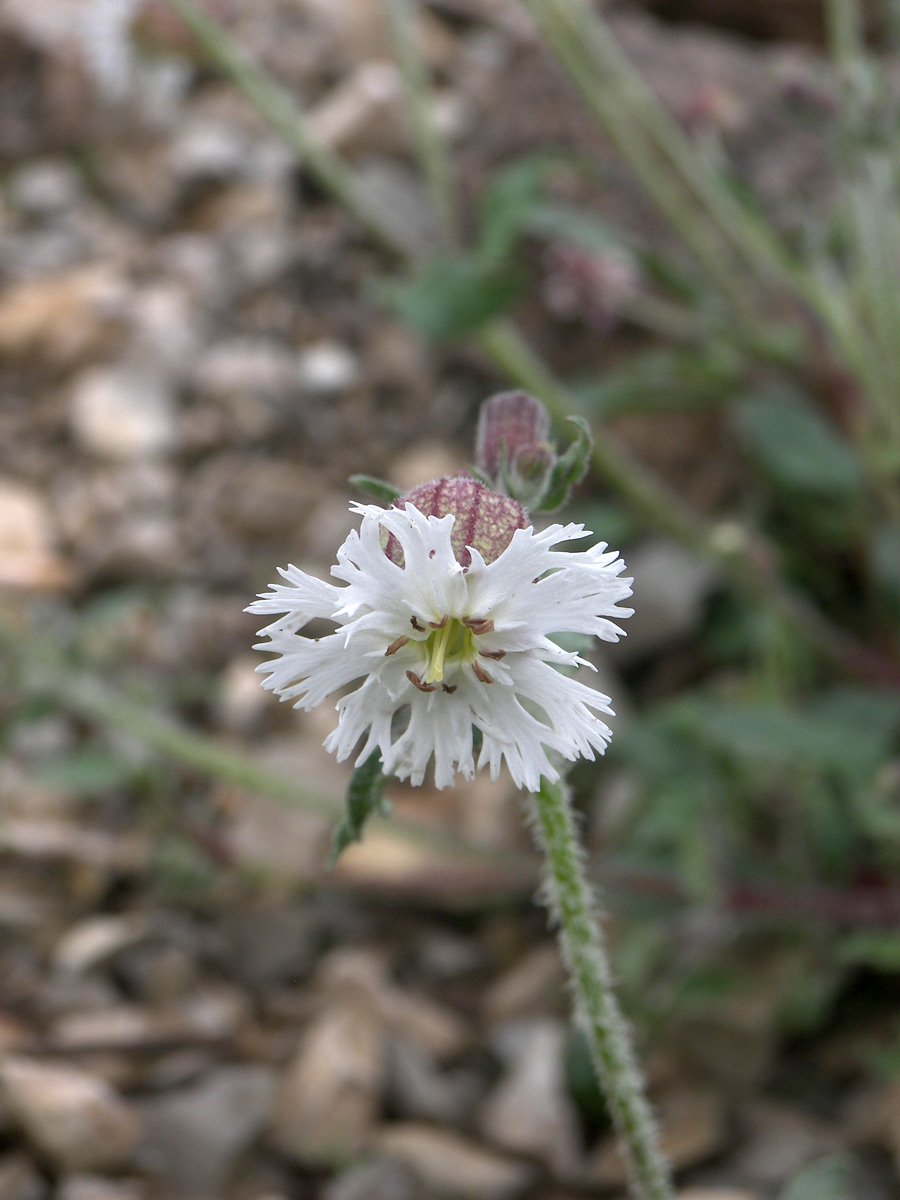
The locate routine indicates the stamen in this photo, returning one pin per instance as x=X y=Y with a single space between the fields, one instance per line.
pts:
x=478 y=625
x=417 y=682
x=496 y=655
x=396 y=645
x=416 y=626
x=449 y=688
x=480 y=672
x=441 y=623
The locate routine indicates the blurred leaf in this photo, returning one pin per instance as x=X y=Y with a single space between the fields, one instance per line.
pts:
x=877 y=948
x=509 y=203
x=379 y=489
x=663 y=380
x=608 y=522
x=828 y=1179
x=365 y=796
x=452 y=297
x=89 y=772
x=792 y=442
x=884 y=554
x=848 y=731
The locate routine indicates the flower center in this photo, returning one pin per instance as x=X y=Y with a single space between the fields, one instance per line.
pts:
x=451 y=644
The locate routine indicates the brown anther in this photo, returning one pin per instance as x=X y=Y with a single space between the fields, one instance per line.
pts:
x=439 y=624
x=478 y=625
x=417 y=682
x=416 y=626
x=480 y=673
x=496 y=655
x=449 y=688
x=396 y=645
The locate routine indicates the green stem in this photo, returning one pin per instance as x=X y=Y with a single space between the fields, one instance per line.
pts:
x=430 y=145
x=278 y=108
x=88 y=698
x=575 y=908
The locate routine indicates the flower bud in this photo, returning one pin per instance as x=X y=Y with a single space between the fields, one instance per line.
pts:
x=484 y=519
x=511 y=426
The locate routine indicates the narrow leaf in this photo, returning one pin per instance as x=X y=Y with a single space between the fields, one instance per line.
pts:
x=378 y=488
x=365 y=796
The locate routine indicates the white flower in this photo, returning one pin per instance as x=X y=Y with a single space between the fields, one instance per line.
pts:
x=448 y=647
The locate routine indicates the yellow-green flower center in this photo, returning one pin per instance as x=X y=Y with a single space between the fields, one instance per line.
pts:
x=451 y=645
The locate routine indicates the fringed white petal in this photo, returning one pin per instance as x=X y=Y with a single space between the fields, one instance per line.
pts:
x=509 y=687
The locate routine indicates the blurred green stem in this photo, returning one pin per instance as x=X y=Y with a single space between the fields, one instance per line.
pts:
x=273 y=103
x=574 y=906
x=430 y=145
x=86 y=697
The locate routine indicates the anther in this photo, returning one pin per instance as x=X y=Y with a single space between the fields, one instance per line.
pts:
x=478 y=625
x=449 y=688
x=396 y=645
x=416 y=626
x=441 y=623
x=417 y=682
x=480 y=672
x=496 y=655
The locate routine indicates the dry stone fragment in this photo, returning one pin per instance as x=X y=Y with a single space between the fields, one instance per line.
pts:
x=717 y=1193
x=123 y=413
x=19 y=1179
x=419 y=1090
x=326 y=368
x=96 y=1187
x=330 y=1095
x=781 y=1141
x=95 y=940
x=194 y=1137
x=27 y=559
x=72 y=1117
x=64 y=319
x=453 y=1165
x=375 y=1181
x=530 y=1111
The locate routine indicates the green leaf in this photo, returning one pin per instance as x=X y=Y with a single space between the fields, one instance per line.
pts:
x=568 y=470
x=452 y=297
x=89 y=772
x=509 y=203
x=365 y=796
x=378 y=488
x=828 y=1179
x=792 y=442
x=884 y=554
x=878 y=948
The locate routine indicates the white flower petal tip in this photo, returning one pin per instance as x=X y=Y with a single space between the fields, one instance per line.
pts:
x=427 y=651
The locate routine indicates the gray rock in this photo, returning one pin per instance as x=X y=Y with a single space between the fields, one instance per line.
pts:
x=19 y=1179
x=122 y=413
x=96 y=1187
x=376 y=1181
x=418 y=1089
x=530 y=1111
x=45 y=189
x=326 y=368
x=194 y=1137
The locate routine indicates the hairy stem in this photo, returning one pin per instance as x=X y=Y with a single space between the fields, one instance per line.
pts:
x=574 y=907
